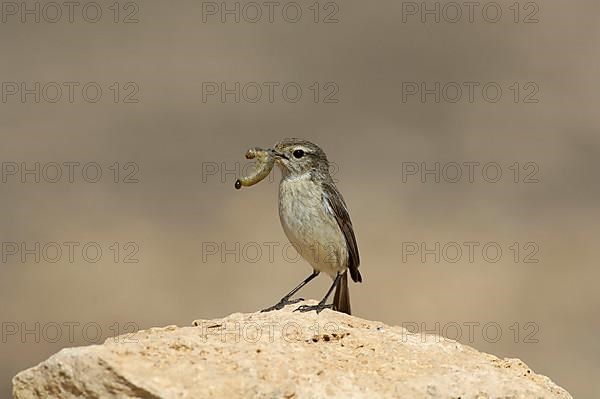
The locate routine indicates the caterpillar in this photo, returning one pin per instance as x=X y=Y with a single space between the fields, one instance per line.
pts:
x=264 y=163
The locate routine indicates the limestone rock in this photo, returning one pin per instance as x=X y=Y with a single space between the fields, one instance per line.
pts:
x=281 y=354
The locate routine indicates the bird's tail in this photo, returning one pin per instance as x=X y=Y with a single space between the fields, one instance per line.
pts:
x=341 y=299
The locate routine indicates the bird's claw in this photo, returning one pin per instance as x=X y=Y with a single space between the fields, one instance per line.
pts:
x=281 y=304
x=309 y=308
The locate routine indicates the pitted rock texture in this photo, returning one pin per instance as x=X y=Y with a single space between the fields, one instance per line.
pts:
x=281 y=354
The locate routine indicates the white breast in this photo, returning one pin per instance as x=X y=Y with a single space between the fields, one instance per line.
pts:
x=312 y=230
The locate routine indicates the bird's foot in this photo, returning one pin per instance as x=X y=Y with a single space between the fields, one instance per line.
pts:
x=309 y=308
x=281 y=304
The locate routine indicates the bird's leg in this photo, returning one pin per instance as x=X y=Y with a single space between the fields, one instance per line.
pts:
x=286 y=299
x=321 y=305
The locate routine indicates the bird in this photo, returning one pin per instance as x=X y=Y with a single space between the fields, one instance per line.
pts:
x=315 y=219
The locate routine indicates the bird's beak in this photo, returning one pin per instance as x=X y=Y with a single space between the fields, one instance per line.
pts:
x=278 y=154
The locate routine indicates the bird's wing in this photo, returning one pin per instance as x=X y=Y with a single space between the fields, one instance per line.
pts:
x=334 y=204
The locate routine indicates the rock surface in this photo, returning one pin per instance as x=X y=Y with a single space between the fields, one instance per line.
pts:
x=281 y=354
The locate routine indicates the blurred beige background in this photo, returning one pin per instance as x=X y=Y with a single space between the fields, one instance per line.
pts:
x=184 y=202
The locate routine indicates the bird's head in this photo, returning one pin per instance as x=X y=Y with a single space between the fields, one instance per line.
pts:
x=297 y=157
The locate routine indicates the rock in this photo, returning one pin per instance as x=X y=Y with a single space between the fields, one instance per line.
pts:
x=281 y=354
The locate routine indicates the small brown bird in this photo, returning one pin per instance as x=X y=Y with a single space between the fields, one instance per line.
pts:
x=315 y=219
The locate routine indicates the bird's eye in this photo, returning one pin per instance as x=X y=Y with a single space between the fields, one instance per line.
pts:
x=298 y=153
